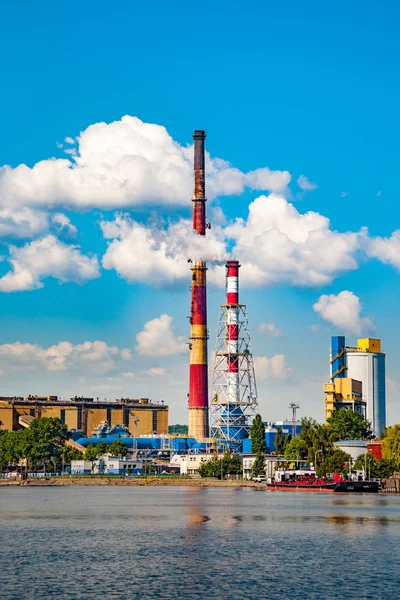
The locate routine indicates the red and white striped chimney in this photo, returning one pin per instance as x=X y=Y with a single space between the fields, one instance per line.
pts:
x=232 y=329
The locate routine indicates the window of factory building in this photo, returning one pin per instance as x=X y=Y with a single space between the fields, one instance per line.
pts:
x=126 y=417
x=62 y=416
x=155 y=420
x=109 y=414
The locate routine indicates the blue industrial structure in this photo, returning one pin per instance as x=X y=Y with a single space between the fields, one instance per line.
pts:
x=338 y=358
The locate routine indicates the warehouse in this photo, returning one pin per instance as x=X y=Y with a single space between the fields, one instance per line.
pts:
x=141 y=415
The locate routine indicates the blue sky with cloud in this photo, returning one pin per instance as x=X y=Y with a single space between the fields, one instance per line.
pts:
x=301 y=107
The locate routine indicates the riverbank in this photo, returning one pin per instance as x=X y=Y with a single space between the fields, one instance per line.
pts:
x=126 y=482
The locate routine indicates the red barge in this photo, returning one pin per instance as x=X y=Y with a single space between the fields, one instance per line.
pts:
x=307 y=481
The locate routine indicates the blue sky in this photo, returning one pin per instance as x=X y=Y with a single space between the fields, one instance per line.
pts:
x=304 y=89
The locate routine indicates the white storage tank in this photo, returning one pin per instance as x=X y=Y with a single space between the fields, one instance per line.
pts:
x=369 y=368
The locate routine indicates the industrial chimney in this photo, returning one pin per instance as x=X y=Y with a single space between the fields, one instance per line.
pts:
x=198 y=385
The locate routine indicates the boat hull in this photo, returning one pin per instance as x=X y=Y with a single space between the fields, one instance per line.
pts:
x=344 y=487
x=292 y=487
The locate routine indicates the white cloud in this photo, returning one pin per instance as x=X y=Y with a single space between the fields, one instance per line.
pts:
x=47 y=257
x=271 y=368
x=315 y=328
x=63 y=224
x=305 y=184
x=277 y=244
x=158 y=339
x=125 y=163
x=387 y=250
x=344 y=312
x=344 y=194
x=94 y=356
x=155 y=372
x=151 y=254
x=22 y=222
x=270 y=329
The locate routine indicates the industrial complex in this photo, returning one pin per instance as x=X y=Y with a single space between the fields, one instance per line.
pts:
x=84 y=415
x=357 y=380
x=222 y=417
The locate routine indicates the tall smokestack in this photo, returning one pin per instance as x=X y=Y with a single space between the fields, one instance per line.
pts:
x=232 y=330
x=198 y=385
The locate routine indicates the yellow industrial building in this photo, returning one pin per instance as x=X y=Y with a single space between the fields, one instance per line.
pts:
x=140 y=415
x=343 y=392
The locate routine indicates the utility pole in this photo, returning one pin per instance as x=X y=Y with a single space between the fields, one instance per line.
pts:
x=135 y=421
x=294 y=408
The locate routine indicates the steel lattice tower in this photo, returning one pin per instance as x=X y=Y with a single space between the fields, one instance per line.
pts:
x=234 y=401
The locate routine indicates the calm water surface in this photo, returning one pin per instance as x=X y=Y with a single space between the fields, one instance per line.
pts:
x=110 y=542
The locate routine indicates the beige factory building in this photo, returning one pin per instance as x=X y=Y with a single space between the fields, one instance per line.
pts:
x=85 y=414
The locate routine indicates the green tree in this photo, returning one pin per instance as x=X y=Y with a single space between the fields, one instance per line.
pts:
x=346 y=424
x=101 y=448
x=391 y=443
x=376 y=468
x=258 y=465
x=211 y=468
x=68 y=454
x=337 y=462
x=91 y=454
x=229 y=464
x=296 y=449
x=178 y=429
x=279 y=441
x=118 y=448
x=43 y=440
x=258 y=435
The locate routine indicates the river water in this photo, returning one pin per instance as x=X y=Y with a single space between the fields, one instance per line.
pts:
x=200 y=543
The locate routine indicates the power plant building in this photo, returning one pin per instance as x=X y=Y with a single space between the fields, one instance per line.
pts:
x=358 y=380
x=140 y=416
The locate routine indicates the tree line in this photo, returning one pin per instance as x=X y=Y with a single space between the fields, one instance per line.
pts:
x=42 y=445
x=315 y=444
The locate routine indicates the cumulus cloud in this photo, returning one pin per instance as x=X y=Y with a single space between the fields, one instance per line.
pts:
x=46 y=257
x=385 y=249
x=271 y=368
x=63 y=224
x=277 y=244
x=22 y=222
x=158 y=338
x=270 y=329
x=151 y=254
x=344 y=312
x=94 y=356
x=125 y=163
x=305 y=184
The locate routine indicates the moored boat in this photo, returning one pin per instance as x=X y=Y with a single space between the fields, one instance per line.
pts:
x=307 y=481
